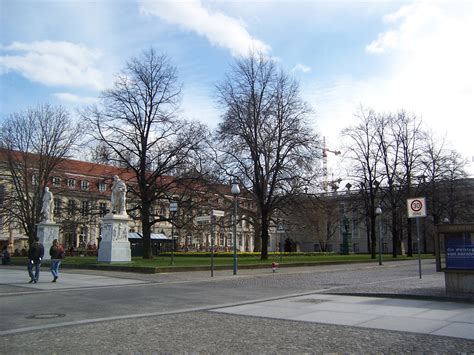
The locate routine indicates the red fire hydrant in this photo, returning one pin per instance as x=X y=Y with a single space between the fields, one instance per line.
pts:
x=274 y=266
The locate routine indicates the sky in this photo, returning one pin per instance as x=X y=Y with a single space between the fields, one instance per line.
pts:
x=386 y=55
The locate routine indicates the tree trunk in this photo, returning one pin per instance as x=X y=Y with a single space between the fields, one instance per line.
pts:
x=396 y=247
x=257 y=246
x=409 y=238
x=373 y=237
x=264 y=237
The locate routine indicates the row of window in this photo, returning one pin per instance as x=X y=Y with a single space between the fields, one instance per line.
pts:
x=72 y=208
x=71 y=183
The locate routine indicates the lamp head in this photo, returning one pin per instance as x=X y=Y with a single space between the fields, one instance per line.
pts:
x=235 y=190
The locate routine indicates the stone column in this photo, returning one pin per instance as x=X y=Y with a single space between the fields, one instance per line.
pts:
x=47 y=232
x=114 y=245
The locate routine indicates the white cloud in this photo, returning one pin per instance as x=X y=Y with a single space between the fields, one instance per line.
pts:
x=75 y=99
x=221 y=30
x=427 y=54
x=53 y=63
x=301 y=68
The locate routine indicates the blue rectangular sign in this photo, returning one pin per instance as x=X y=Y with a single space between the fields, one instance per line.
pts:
x=459 y=251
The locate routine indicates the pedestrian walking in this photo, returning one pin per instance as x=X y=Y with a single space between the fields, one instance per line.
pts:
x=35 y=255
x=57 y=254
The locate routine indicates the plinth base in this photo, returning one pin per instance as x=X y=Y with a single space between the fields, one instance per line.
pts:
x=114 y=246
x=47 y=232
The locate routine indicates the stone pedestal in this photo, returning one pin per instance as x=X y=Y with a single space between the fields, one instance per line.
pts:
x=346 y=243
x=114 y=246
x=47 y=232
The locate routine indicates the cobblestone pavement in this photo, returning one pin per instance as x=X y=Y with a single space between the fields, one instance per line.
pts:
x=181 y=331
x=207 y=333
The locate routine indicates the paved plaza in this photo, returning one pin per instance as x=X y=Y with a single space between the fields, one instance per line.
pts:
x=297 y=310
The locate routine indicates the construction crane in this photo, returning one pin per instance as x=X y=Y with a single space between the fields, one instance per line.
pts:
x=325 y=163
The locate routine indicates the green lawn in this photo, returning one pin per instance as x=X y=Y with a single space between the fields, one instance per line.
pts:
x=225 y=259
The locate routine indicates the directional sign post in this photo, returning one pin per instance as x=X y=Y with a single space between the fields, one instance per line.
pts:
x=281 y=231
x=417 y=209
x=212 y=220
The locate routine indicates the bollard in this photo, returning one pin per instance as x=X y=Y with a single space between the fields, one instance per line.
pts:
x=274 y=266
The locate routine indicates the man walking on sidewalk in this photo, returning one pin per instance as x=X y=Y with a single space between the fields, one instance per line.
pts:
x=35 y=255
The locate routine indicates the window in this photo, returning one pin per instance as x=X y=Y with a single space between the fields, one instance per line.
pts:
x=71 y=183
x=102 y=186
x=56 y=181
x=355 y=247
x=71 y=207
x=102 y=209
x=84 y=184
x=317 y=247
x=34 y=179
x=57 y=207
x=85 y=208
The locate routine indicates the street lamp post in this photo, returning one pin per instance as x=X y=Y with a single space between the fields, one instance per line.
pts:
x=235 y=191
x=378 y=212
x=173 y=210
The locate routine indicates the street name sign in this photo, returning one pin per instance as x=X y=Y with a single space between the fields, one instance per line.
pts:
x=203 y=219
x=218 y=213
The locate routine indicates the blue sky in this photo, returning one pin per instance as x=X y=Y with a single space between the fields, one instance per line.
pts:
x=411 y=55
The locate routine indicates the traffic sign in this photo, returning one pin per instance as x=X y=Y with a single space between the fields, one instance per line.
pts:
x=218 y=213
x=173 y=206
x=416 y=207
x=203 y=219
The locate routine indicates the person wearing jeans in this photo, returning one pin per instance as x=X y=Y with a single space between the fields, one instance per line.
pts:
x=35 y=255
x=56 y=252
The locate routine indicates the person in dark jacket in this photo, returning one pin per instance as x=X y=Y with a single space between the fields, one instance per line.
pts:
x=35 y=255
x=57 y=253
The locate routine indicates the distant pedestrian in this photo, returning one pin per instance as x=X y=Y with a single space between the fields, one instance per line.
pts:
x=35 y=255
x=5 y=256
x=57 y=254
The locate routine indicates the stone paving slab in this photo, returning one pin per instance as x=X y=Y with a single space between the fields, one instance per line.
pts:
x=19 y=278
x=418 y=316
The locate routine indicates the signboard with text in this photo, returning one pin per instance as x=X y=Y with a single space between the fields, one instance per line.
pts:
x=416 y=207
x=459 y=250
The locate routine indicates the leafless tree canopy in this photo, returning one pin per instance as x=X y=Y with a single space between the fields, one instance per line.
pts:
x=138 y=129
x=33 y=142
x=264 y=138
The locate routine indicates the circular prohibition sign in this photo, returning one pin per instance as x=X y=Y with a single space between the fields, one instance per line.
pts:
x=416 y=205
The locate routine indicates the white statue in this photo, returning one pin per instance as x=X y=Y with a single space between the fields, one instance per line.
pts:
x=119 y=191
x=48 y=205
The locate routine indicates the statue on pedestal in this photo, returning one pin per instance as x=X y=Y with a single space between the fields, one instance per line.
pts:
x=47 y=208
x=118 y=198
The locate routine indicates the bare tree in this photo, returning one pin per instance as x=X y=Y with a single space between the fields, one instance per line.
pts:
x=363 y=149
x=33 y=143
x=265 y=139
x=443 y=170
x=315 y=218
x=138 y=129
x=398 y=137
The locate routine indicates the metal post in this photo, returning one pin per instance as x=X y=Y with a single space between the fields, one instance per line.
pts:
x=172 y=239
x=281 y=247
x=173 y=210
x=380 y=241
x=213 y=219
x=419 y=247
x=235 y=235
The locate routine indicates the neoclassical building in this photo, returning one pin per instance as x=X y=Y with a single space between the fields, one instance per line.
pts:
x=82 y=197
